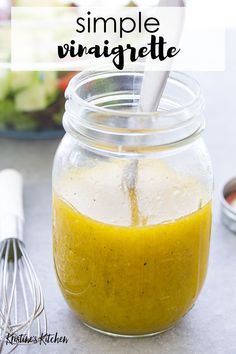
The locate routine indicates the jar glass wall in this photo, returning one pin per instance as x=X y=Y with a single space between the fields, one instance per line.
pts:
x=131 y=204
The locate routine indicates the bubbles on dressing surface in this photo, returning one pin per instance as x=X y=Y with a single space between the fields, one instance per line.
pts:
x=161 y=193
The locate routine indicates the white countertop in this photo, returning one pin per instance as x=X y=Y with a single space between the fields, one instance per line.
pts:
x=211 y=325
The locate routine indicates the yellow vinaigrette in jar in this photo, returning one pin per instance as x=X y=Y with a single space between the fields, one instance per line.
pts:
x=130 y=262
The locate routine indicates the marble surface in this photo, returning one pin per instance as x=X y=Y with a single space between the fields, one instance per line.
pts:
x=211 y=325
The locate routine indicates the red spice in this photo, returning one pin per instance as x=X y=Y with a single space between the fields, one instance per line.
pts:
x=231 y=198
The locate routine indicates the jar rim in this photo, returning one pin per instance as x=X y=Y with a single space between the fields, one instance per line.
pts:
x=177 y=76
x=129 y=131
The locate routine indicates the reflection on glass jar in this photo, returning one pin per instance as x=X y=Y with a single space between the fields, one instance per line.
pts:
x=131 y=203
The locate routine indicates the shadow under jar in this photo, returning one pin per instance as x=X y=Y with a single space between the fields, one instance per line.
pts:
x=131 y=203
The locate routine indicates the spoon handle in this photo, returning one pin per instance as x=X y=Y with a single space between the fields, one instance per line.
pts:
x=154 y=82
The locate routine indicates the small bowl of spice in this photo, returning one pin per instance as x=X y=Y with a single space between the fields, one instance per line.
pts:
x=229 y=205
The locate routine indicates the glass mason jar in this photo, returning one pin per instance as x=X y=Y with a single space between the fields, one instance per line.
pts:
x=131 y=203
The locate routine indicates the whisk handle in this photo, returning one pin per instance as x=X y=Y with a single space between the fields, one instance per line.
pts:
x=11 y=204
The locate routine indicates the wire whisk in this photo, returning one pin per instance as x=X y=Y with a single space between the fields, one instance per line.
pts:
x=22 y=314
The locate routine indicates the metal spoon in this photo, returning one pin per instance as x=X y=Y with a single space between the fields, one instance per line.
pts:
x=153 y=85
